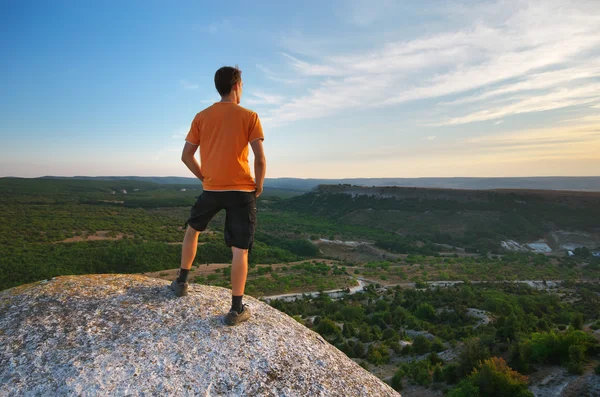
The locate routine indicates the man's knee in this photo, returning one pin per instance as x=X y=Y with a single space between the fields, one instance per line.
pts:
x=191 y=230
x=239 y=251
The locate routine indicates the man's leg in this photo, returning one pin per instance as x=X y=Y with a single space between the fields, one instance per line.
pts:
x=240 y=224
x=239 y=272
x=189 y=248
x=188 y=253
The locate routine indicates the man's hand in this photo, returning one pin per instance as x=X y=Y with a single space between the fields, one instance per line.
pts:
x=260 y=165
x=187 y=156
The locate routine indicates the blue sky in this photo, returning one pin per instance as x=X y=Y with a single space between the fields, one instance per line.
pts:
x=344 y=88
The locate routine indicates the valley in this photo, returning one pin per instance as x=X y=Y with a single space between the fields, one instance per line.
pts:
x=419 y=286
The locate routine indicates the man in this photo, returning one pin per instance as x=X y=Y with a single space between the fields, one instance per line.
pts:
x=223 y=132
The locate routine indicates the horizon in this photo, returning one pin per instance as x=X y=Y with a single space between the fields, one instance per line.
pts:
x=289 y=177
x=345 y=90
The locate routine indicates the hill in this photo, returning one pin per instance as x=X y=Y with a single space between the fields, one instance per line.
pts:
x=585 y=183
x=476 y=220
x=129 y=335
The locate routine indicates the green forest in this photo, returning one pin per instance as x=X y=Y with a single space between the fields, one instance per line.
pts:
x=444 y=307
x=409 y=332
x=474 y=220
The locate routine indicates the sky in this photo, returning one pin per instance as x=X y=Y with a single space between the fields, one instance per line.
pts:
x=344 y=88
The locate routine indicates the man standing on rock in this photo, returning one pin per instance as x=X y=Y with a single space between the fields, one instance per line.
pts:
x=223 y=132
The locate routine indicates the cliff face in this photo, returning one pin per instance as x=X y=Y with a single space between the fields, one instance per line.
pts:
x=127 y=334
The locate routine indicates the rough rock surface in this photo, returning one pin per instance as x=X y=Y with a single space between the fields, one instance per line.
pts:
x=129 y=335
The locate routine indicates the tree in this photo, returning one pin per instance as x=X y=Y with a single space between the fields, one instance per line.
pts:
x=451 y=373
x=437 y=345
x=397 y=380
x=348 y=330
x=434 y=359
x=577 y=321
x=421 y=345
x=378 y=354
x=473 y=353
x=390 y=334
x=358 y=349
x=327 y=327
x=425 y=311
x=352 y=313
x=493 y=379
x=365 y=334
x=496 y=379
x=465 y=389
x=576 y=359
x=420 y=372
x=437 y=373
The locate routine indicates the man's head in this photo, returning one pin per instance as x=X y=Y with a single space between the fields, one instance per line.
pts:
x=228 y=82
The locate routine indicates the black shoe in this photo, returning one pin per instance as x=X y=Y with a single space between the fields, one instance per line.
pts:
x=180 y=289
x=234 y=318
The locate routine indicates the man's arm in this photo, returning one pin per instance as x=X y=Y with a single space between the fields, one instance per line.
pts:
x=188 y=158
x=260 y=165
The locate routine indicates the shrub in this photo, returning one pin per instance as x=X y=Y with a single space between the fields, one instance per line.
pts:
x=397 y=380
x=493 y=379
x=421 y=345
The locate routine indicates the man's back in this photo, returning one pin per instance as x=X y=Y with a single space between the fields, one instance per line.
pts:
x=223 y=132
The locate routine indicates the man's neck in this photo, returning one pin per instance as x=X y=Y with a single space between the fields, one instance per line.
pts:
x=229 y=99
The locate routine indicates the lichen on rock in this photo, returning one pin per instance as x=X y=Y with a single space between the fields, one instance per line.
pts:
x=129 y=335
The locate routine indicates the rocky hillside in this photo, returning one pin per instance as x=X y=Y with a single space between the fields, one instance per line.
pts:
x=129 y=335
x=476 y=220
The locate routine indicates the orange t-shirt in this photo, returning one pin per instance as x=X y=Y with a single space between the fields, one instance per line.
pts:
x=223 y=132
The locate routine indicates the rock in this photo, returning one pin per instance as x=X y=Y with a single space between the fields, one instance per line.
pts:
x=129 y=335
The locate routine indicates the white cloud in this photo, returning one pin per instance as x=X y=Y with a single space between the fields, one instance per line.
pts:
x=365 y=12
x=564 y=150
x=535 y=82
x=499 y=122
x=544 y=136
x=277 y=78
x=180 y=133
x=560 y=98
x=309 y=69
x=584 y=119
x=526 y=56
x=263 y=98
x=431 y=138
x=186 y=85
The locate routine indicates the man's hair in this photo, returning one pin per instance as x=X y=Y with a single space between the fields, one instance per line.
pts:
x=226 y=78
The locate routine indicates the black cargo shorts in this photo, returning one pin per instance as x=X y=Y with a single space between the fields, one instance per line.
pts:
x=240 y=219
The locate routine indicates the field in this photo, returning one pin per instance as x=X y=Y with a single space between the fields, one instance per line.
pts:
x=413 y=284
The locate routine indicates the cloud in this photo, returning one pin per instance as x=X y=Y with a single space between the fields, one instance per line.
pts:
x=365 y=12
x=499 y=122
x=262 y=98
x=522 y=57
x=223 y=26
x=275 y=77
x=535 y=82
x=309 y=69
x=584 y=119
x=563 y=97
x=180 y=133
x=430 y=138
x=186 y=85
